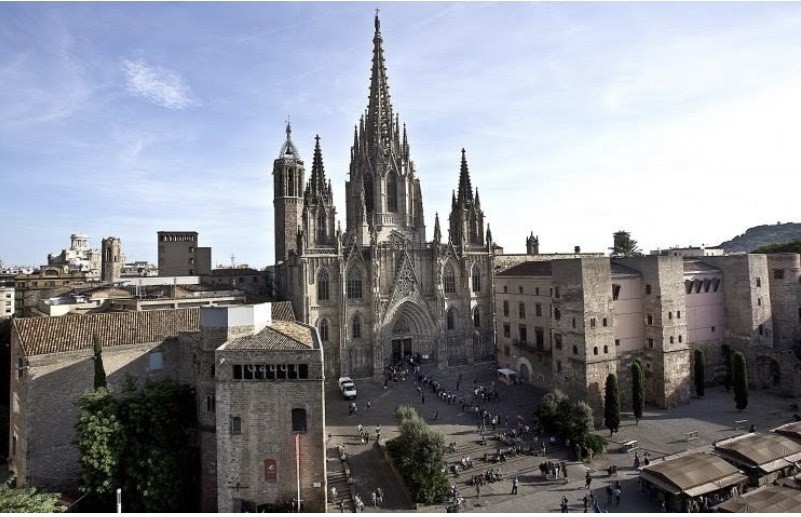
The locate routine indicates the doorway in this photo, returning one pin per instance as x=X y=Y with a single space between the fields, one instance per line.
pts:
x=401 y=349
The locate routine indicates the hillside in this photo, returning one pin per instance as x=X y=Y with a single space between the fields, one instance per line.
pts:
x=764 y=235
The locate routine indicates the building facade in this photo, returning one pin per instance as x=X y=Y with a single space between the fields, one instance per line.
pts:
x=179 y=255
x=6 y=302
x=79 y=257
x=379 y=292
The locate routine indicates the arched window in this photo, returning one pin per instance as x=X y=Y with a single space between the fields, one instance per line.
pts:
x=477 y=318
x=450 y=318
x=355 y=283
x=357 y=327
x=476 y=278
x=449 y=280
x=473 y=230
x=291 y=187
x=323 y=330
x=392 y=192
x=321 y=230
x=322 y=285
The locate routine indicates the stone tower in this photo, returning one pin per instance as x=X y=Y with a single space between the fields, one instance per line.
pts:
x=532 y=244
x=466 y=219
x=111 y=259
x=288 y=174
x=319 y=214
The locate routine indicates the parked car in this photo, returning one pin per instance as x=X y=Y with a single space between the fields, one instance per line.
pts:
x=347 y=388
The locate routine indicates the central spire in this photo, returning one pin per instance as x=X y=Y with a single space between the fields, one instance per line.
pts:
x=380 y=123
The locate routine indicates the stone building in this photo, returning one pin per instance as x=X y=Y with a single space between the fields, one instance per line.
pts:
x=111 y=259
x=179 y=255
x=568 y=322
x=32 y=287
x=379 y=291
x=6 y=301
x=225 y=353
x=79 y=257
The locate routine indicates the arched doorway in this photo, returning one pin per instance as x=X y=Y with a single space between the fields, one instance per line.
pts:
x=524 y=373
x=408 y=333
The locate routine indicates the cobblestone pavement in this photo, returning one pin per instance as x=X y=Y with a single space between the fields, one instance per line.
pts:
x=660 y=432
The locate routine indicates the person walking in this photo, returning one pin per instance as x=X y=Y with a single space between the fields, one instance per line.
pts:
x=380 y=493
x=369 y=406
x=478 y=491
x=618 y=493
x=436 y=414
x=563 y=504
x=587 y=480
x=514 y=486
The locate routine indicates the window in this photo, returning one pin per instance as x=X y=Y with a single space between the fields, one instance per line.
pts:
x=615 y=291
x=679 y=338
x=761 y=330
x=155 y=361
x=617 y=342
x=707 y=284
x=322 y=285
x=605 y=323
x=595 y=350
x=522 y=331
x=507 y=351
x=357 y=327
x=575 y=350
x=191 y=261
x=236 y=425
x=671 y=340
x=778 y=274
x=758 y=282
x=539 y=335
x=355 y=283
x=521 y=310
x=20 y=367
x=506 y=289
x=574 y=322
x=538 y=309
x=649 y=319
x=670 y=315
x=557 y=314
x=678 y=315
x=592 y=322
x=449 y=318
x=650 y=342
x=558 y=366
x=324 y=330
x=298 y=420
x=191 y=249
x=211 y=403
x=213 y=370
x=449 y=280
x=506 y=308
x=647 y=288
x=476 y=279
x=557 y=341
x=688 y=286
x=392 y=192
x=606 y=349
x=477 y=318
x=507 y=331
x=520 y=289
x=556 y=292
x=759 y=302
x=537 y=291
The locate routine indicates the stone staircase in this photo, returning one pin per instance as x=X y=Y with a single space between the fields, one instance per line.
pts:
x=338 y=477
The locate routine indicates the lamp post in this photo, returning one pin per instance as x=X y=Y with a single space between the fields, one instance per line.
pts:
x=119 y=500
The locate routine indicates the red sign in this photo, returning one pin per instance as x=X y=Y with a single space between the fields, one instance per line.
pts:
x=270 y=470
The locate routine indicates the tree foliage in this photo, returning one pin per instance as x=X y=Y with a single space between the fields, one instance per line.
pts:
x=700 y=372
x=624 y=245
x=100 y=372
x=418 y=453
x=140 y=442
x=28 y=500
x=611 y=404
x=727 y=362
x=637 y=390
x=565 y=418
x=785 y=247
x=740 y=377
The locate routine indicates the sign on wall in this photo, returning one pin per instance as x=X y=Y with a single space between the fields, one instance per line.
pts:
x=270 y=470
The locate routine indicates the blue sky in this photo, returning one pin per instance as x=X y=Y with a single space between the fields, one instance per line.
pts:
x=679 y=122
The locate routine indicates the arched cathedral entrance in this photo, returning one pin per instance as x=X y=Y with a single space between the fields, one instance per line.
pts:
x=408 y=334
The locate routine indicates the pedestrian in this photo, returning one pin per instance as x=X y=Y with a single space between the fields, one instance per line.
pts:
x=341 y=506
x=333 y=494
x=478 y=491
x=380 y=493
x=609 y=493
x=587 y=480
x=360 y=428
x=374 y=498
x=436 y=413
x=514 y=486
x=369 y=406
x=366 y=437
x=563 y=504
x=422 y=398
x=586 y=501
x=618 y=493
x=329 y=438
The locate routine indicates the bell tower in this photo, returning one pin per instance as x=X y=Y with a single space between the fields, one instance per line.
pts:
x=287 y=199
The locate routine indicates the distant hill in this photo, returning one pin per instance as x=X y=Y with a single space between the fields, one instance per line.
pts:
x=761 y=236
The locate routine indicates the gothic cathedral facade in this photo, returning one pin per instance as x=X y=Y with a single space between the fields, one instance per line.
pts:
x=379 y=292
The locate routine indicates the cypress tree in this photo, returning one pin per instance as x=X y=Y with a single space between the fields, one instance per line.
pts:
x=637 y=390
x=700 y=373
x=726 y=350
x=100 y=372
x=740 y=378
x=612 y=404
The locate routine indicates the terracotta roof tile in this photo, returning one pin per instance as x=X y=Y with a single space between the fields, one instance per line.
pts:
x=283 y=311
x=281 y=335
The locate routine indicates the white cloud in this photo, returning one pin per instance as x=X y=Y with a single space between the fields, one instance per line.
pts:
x=160 y=86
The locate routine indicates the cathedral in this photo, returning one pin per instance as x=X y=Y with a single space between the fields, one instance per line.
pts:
x=379 y=292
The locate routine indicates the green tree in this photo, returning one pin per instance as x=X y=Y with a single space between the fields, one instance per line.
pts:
x=624 y=245
x=637 y=390
x=786 y=247
x=140 y=442
x=700 y=372
x=565 y=418
x=27 y=500
x=726 y=351
x=611 y=404
x=740 y=377
x=418 y=452
x=100 y=372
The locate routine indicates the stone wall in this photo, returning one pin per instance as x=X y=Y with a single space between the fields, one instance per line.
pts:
x=785 y=299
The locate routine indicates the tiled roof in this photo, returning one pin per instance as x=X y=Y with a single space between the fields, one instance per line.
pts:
x=74 y=331
x=760 y=448
x=283 y=311
x=281 y=335
x=531 y=268
x=792 y=429
x=692 y=470
x=771 y=499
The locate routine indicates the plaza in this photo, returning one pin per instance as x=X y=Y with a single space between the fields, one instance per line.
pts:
x=661 y=432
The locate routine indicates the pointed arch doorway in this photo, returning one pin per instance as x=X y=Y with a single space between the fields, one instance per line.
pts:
x=409 y=334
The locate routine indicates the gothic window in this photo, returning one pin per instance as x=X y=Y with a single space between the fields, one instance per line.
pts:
x=368 y=195
x=355 y=283
x=449 y=280
x=473 y=230
x=324 y=330
x=476 y=278
x=357 y=327
x=392 y=192
x=322 y=285
x=321 y=233
x=449 y=318
x=291 y=189
x=477 y=318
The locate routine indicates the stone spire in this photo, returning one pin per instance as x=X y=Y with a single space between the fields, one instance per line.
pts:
x=465 y=189
x=288 y=151
x=380 y=124
x=437 y=231
x=317 y=188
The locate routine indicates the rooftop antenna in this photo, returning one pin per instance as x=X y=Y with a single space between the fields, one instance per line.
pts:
x=233 y=264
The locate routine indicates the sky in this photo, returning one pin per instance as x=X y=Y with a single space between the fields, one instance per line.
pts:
x=678 y=122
